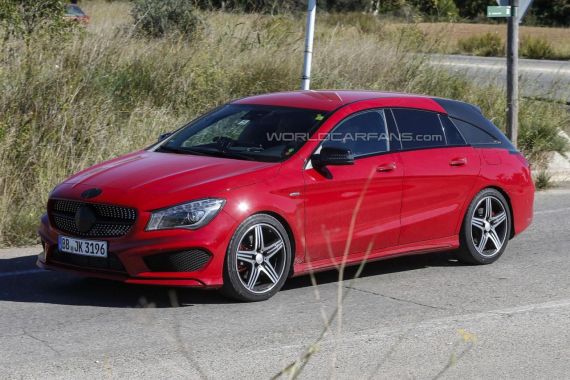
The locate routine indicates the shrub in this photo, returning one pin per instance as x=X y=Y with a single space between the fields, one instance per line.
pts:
x=487 y=45
x=543 y=180
x=539 y=133
x=159 y=18
x=25 y=19
x=536 y=48
x=444 y=9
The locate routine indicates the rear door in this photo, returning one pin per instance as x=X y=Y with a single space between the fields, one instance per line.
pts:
x=440 y=169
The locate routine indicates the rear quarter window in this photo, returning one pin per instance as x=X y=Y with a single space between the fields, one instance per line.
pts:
x=474 y=135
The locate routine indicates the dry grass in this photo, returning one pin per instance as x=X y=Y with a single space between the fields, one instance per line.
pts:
x=451 y=33
x=103 y=93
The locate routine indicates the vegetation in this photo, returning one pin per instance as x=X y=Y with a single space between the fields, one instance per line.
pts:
x=104 y=92
x=543 y=12
x=543 y=180
x=159 y=18
x=486 y=45
x=536 y=48
x=492 y=45
x=455 y=37
x=550 y=12
x=28 y=19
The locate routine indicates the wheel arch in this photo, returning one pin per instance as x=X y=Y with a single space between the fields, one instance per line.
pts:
x=511 y=211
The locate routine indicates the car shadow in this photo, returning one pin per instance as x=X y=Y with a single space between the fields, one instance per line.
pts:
x=21 y=282
x=377 y=268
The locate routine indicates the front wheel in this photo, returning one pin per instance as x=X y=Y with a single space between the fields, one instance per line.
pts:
x=486 y=228
x=258 y=259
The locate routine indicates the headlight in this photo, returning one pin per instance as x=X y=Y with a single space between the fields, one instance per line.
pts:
x=189 y=215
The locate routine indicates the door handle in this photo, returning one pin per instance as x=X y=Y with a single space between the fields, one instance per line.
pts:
x=386 y=168
x=458 y=162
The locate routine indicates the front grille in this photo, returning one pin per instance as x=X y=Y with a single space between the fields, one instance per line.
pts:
x=110 y=263
x=184 y=261
x=111 y=221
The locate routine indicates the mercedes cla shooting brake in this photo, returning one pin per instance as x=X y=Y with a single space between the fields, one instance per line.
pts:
x=279 y=185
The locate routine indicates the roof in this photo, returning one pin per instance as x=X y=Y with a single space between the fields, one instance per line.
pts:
x=330 y=100
x=323 y=100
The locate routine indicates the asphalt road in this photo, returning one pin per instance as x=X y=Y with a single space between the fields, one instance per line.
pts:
x=418 y=317
x=538 y=78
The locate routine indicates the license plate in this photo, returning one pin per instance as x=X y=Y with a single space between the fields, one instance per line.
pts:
x=82 y=247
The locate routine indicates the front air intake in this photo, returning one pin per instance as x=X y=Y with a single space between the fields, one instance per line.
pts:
x=184 y=261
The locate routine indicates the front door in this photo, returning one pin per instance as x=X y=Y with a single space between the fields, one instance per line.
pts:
x=357 y=208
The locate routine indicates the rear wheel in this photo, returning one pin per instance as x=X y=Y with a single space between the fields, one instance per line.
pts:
x=486 y=228
x=258 y=259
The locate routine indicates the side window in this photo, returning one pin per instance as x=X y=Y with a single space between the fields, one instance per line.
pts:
x=419 y=129
x=363 y=134
x=474 y=135
x=451 y=133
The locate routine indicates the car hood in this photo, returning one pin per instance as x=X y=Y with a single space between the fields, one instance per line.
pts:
x=152 y=180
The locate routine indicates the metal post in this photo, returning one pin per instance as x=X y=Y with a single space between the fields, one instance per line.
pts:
x=513 y=74
x=310 y=35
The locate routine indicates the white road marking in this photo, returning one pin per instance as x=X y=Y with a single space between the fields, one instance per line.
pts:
x=22 y=272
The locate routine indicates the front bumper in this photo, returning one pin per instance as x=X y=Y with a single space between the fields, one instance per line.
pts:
x=132 y=249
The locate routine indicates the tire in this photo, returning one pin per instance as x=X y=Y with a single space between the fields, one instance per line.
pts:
x=255 y=268
x=483 y=229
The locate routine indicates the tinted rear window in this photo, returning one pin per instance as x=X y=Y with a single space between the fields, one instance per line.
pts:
x=419 y=129
x=475 y=135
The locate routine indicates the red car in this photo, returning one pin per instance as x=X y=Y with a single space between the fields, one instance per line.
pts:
x=280 y=185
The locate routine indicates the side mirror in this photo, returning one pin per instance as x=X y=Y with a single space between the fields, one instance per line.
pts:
x=332 y=156
x=164 y=136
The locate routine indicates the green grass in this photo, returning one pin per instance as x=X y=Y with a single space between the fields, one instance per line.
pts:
x=102 y=93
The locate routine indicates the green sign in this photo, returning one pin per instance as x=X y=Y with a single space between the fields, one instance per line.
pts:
x=499 y=11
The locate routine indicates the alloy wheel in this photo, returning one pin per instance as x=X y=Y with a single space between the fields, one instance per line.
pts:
x=489 y=226
x=261 y=258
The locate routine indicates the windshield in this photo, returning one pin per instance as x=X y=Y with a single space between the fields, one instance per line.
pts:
x=246 y=132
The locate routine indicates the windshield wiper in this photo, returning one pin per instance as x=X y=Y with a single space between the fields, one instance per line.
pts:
x=206 y=152
x=180 y=151
x=224 y=153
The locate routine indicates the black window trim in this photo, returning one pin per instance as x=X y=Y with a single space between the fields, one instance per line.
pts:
x=457 y=129
x=396 y=130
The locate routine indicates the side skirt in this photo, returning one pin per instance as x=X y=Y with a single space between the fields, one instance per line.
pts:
x=428 y=246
